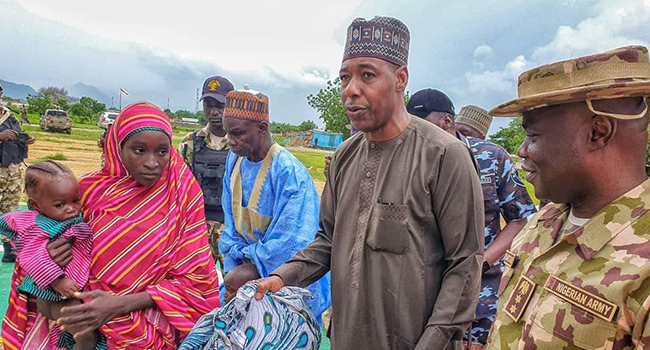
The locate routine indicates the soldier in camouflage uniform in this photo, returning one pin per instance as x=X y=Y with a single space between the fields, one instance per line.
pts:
x=205 y=152
x=504 y=194
x=578 y=275
x=12 y=154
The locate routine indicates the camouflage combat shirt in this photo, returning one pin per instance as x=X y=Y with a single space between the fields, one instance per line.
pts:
x=590 y=290
x=186 y=146
x=504 y=193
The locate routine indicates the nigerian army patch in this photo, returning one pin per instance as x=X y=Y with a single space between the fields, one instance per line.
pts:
x=581 y=298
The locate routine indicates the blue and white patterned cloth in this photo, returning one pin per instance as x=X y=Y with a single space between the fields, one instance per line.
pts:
x=280 y=320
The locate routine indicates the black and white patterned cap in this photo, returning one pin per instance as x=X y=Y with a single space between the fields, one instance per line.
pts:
x=385 y=38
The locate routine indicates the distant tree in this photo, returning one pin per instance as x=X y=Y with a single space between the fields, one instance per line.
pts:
x=510 y=137
x=81 y=110
x=55 y=93
x=328 y=103
x=307 y=126
x=168 y=112
x=282 y=128
x=38 y=104
x=87 y=110
x=180 y=114
x=201 y=117
x=63 y=104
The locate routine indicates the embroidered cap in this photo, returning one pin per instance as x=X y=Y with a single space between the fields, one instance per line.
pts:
x=385 y=38
x=247 y=104
x=476 y=117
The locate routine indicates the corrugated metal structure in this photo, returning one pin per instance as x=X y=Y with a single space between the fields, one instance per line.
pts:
x=326 y=140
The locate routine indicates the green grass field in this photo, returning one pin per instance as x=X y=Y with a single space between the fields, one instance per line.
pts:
x=314 y=162
x=76 y=134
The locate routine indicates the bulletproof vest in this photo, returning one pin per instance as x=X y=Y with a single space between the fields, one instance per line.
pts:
x=11 y=152
x=208 y=167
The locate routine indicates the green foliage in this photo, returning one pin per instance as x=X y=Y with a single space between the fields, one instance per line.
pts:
x=307 y=125
x=181 y=113
x=510 y=137
x=87 y=110
x=63 y=104
x=328 y=103
x=56 y=156
x=201 y=117
x=81 y=111
x=283 y=128
x=280 y=128
x=38 y=104
x=95 y=106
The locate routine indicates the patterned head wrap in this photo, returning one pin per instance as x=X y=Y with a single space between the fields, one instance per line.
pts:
x=247 y=104
x=149 y=238
x=385 y=38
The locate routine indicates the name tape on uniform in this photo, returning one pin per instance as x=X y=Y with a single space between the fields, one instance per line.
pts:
x=520 y=298
x=581 y=298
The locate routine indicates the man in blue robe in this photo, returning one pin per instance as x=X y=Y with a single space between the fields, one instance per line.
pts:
x=270 y=203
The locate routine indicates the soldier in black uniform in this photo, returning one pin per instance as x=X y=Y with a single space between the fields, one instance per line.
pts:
x=13 y=151
x=205 y=152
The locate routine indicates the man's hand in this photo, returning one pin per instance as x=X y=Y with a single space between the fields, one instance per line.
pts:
x=82 y=320
x=328 y=160
x=60 y=252
x=270 y=284
x=30 y=141
x=8 y=135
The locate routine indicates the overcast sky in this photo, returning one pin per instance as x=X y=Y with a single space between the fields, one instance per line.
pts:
x=472 y=50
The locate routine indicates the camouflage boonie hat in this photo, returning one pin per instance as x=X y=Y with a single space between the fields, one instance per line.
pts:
x=624 y=72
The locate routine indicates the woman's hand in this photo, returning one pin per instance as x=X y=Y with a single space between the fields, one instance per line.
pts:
x=82 y=320
x=60 y=252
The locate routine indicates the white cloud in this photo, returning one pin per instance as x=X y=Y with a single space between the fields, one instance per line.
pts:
x=483 y=51
x=285 y=35
x=616 y=23
x=498 y=81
